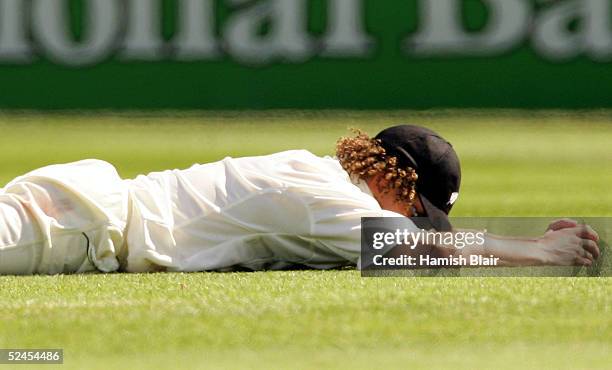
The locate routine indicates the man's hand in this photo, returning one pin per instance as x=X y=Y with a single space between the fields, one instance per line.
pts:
x=566 y=245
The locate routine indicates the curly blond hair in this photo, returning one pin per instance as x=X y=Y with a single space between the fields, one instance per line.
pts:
x=363 y=157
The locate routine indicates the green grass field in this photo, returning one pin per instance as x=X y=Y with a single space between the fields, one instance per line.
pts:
x=514 y=164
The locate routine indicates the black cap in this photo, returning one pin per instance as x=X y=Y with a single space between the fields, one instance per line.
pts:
x=434 y=161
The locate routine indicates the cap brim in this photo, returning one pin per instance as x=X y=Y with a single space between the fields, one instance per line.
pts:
x=437 y=217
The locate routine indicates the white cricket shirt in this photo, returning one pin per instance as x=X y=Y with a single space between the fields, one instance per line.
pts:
x=265 y=212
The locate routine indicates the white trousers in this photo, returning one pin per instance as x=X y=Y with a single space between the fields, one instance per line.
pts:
x=63 y=219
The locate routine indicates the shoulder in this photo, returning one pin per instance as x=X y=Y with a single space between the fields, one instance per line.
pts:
x=308 y=161
x=293 y=163
x=298 y=155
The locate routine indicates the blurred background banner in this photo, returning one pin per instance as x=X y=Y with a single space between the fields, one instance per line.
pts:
x=255 y=54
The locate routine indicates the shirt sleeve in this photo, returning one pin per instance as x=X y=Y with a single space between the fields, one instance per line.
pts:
x=336 y=220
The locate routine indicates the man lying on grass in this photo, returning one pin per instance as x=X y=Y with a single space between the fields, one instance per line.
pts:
x=270 y=212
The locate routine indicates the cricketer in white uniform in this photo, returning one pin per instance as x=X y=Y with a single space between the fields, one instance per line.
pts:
x=266 y=212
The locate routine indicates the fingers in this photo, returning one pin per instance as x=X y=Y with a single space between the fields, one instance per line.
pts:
x=584 y=232
x=582 y=261
x=591 y=248
x=564 y=223
x=588 y=254
x=583 y=258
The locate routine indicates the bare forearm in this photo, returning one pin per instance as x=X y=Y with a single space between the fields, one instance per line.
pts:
x=562 y=247
x=558 y=246
x=510 y=251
